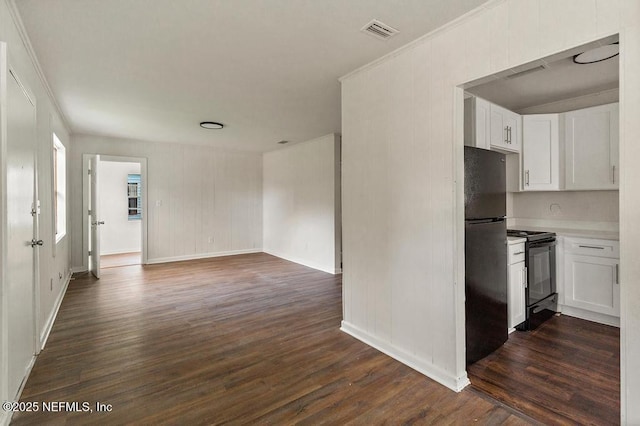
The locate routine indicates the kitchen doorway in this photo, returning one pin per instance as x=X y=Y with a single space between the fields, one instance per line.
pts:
x=115 y=232
x=567 y=369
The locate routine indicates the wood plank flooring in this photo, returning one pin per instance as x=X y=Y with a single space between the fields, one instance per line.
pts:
x=242 y=339
x=122 y=259
x=565 y=372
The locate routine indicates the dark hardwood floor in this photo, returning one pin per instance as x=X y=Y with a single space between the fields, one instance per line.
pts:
x=242 y=339
x=565 y=372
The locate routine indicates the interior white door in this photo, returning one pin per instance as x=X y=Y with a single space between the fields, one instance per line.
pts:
x=21 y=132
x=94 y=217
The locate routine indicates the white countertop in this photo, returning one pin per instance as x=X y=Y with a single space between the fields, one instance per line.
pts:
x=516 y=240
x=597 y=230
x=578 y=233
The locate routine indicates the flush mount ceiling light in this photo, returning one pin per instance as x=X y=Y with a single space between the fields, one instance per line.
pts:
x=598 y=54
x=211 y=125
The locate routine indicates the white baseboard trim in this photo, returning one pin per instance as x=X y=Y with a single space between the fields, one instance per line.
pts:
x=303 y=262
x=44 y=335
x=200 y=256
x=428 y=369
x=5 y=418
x=589 y=316
x=77 y=269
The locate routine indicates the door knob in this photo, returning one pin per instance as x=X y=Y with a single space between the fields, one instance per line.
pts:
x=35 y=242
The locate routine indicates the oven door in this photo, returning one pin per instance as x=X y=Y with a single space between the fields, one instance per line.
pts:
x=541 y=271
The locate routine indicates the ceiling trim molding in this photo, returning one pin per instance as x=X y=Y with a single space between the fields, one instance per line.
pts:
x=22 y=32
x=451 y=24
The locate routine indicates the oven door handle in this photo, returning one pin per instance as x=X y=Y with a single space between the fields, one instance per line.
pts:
x=543 y=244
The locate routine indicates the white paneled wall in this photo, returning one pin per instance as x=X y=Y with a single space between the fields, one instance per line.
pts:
x=118 y=234
x=201 y=201
x=301 y=204
x=402 y=179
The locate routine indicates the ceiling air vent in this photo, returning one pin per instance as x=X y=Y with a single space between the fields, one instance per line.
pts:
x=379 y=30
x=526 y=72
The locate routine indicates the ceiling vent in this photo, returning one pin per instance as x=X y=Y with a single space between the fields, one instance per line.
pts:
x=379 y=30
x=526 y=72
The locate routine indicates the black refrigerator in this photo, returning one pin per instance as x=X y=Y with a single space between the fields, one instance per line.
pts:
x=485 y=252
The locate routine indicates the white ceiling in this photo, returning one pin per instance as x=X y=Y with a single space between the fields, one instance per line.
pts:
x=561 y=79
x=267 y=69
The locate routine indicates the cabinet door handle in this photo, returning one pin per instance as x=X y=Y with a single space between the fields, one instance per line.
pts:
x=526 y=278
x=591 y=247
x=518 y=252
x=506 y=134
x=617 y=273
x=526 y=177
x=510 y=135
x=613 y=174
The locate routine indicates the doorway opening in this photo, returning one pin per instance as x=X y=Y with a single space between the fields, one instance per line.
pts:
x=555 y=121
x=115 y=200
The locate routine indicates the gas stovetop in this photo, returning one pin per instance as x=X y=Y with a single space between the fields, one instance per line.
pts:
x=531 y=235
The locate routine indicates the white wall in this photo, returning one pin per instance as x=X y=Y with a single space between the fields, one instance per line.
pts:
x=202 y=201
x=403 y=233
x=118 y=234
x=53 y=258
x=301 y=206
x=581 y=206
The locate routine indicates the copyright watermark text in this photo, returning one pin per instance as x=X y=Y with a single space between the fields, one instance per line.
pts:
x=56 y=407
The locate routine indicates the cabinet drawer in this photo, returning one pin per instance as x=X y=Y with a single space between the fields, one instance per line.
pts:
x=516 y=253
x=592 y=247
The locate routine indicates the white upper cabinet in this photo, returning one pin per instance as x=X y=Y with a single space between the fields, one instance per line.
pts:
x=477 y=125
x=505 y=129
x=591 y=141
x=540 y=152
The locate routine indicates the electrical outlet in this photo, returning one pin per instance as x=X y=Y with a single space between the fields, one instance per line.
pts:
x=60 y=275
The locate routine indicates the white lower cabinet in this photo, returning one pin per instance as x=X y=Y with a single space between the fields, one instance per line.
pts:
x=592 y=283
x=516 y=283
x=591 y=276
x=516 y=303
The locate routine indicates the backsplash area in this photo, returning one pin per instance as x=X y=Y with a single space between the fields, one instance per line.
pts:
x=593 y=209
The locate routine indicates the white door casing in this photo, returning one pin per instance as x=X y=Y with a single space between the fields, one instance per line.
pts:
x=94 y=217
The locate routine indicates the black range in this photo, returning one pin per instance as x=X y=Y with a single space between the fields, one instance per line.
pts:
x=541 y=291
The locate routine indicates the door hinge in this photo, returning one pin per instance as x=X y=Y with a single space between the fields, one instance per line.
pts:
x=89 y=212
x=89 y=252
x=89 y=172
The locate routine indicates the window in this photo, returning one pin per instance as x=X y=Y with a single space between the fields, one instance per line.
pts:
x=59 y=188
x=133 y=193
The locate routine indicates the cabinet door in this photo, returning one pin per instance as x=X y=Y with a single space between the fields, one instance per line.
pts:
x=540 y=152
x=592 y=148
x=516 y=299
x=513 y=122
x=591 y=283
x=504 y=130
x=482 y=121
